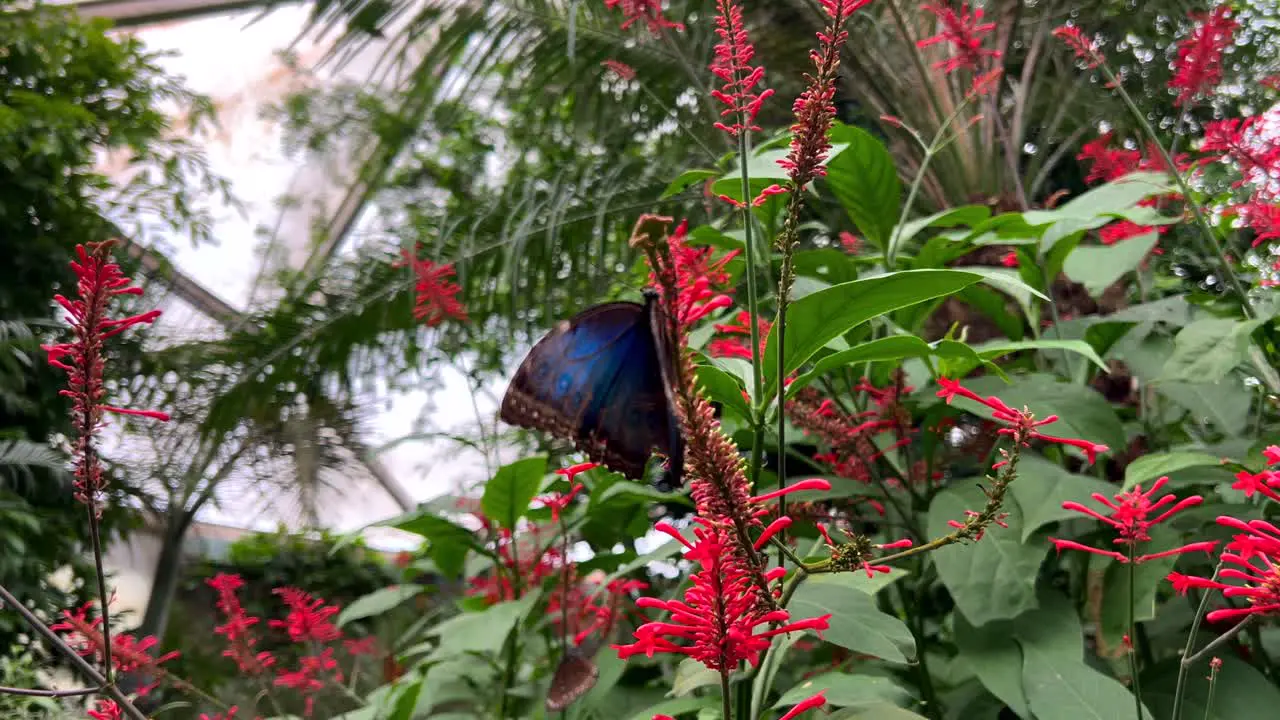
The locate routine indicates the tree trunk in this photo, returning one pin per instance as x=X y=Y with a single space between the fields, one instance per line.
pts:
x=168 y=572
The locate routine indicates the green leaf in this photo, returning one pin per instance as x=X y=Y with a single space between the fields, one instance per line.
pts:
x=999 y=560
x=1114 y=198
x=449 y=542
x=844 y=690
x=864 y=178
x=859 y=580
x=482 y=632
x=1008 y=282
x=1207 y=350
x=1149 y=578
x=1058 y=683
x=993 y=350
x=1097 y=267
x=1240 y=693
x=964 y=215
x=685 y=179
x=724 y=389
x=815 y=320
x=893 y=347
x=883 y=711
x=827 y=264
x=1043 y=486
x=1225 y=404
x=507 y=496
x=996 y=658
x=691 y=675
x=1082 y=412
x=1150 y=467
x=378 y=602
x=634 y=492
x=677 y=707
x=856 y=622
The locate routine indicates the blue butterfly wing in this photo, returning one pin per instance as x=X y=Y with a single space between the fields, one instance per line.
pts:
x=601 y=381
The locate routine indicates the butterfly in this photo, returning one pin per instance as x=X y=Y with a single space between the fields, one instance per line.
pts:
x=604 y=380
x=575 y=675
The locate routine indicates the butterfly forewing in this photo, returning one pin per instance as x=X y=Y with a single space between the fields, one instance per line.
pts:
x=575 y=675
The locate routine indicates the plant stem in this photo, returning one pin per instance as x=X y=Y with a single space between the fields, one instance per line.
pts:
x=77 y=662
x=1179 y=693
x=753 y=309
x=1213 y=685
x=95 y=539
x=1220 y=640
x=1133 y=633
x=726 y=700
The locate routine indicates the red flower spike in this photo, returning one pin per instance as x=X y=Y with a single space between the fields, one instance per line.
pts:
x=1022 y=423
x=1130 y=511
x=238 y=627
x=310 y=677
x=1107 y=163
x=1247 y=143
x=722 y=616
x=816 y=701
x=308 y=618
x=702 y=284
x=1261 y=483
x=1261 y=217
x=99 y=280
x=622 y=70
x=435 y=299
x=1084 y=48
x=963 y=29
x=850 y=242
x=732 y=64
x=1122 y=230
x=1198 y=69
x=1252 y=558
x=106 y=710
x=732 y=347
x=647 y=11
x=128 y=654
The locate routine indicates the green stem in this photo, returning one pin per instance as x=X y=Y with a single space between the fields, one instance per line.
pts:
x=726 y=699
x=1213 y=685
x=1185 y=189
x=1220 y=640
x=1133 y=632
x=931 y=705
x=1179 y=693
x=753 y=309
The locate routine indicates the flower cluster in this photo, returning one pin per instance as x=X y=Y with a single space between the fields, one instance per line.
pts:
x=1086 y=49
x=238 y=628
x=1130 y=516
x=736 y=336
x=1264 y=483
x=98 y=281
x=648 y=12
x=558 y=502
x=127 y=653
x=732 y=65
x=701 y=281
x=585 y=609
x=1252 y=558
x=1198 y=69
x=963 y=30
x=435 y=292
x=525 y=555
x=720 y=622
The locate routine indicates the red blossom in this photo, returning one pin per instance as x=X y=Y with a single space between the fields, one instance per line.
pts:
x=1252 y=559
x=734 y=347
x=721 y=619
x=106 y=710
x=560 y=501
x=1261 y=482
x=310 y=677
x=702 y=283
x=1084 y=48
x=363 y=646
x=128 y=654
x=1247 y=143
x=850 y=242
x=1272 y=454
x=1022 y=423
x=816 y=701
x=98 y=281
x=308 y=618
x=238 y=626
x=1009 y=259
x=230 y=714
x=1108 y=163
x=1122 y=230
x=1271 y=81
x=590 y=609
x=963 y=29
x=732 y=65
x=1198 y=69
x=436 y=294
x=529 y=557
x=1263 y=218
x=622 y=70
x=1130 y=517
x=647 y=11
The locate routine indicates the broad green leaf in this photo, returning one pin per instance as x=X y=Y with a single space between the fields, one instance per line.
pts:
x=449 y=542
x=1097 y=267
x=677 y=707
x=1082 y=411
x=840 y=488
x=507 y=496
x=724 y=389
x=483 y=632
x=856 y=623
x=999 y=560
x=883 y=711
x=859 y=580
x=964 y=215
x=685 y=179
x=844 y=690
x=1150 y=467
x=1115 y=197
x=1240 y=693
x=763 y=170
x=815 y=320
x=864 y=178
x=378 y=602
x=1008 y=282
x=827 y=264
x=1207 y=350
x=893 y=347
x=1043 y=486
x=1149 y=578
x=1225 y=404
x=691 y=675
x=996 y=658
x=993 y=350
x=628 y=490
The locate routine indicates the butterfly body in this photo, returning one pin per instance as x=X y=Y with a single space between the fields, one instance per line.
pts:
x=604 y=381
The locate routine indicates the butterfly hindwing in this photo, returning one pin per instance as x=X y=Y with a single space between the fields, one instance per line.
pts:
x=575 y=675
x=599 y=381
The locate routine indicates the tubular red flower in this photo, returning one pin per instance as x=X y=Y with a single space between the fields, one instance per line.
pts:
x=106 y=710
x=308 y=618
x=128 y=654
x=1122 y=230
x=1084 y=48
x=1130 y=517
x=310 y=677
x=721 y=617
x=1251 y=559
x=850 y=242
x=238 y=627
x=1251 y=146
x=435 y=298
x=647 y=11
x=1198 y=69
x=963 y=29
x=732 y=347
x=816 y=701
x=1272 y=454
x=622 y=70
x=1260 y=482
x=732 y=65
x=1022 y=424
x=1107 y=163
x=99 y=280
x=1009 y=259
x=1261 y=217
x=702 y=283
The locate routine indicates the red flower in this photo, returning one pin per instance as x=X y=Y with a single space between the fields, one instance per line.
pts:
x=1108 y=164
x=850 y=242
x=1130 y=511
x=620 y=69
x=649 y=11
x=1122 y=230
x=106 y=710
x=1022 y=423
x=963 y=30
x=238 y=626
x=732 y=347
x=1251 y=558
x=813 y=109
x=702 y=283
x=559 y=502
x=363 y=646
x=230 y=715
x=816 y=701
x=721 y=619
x=307 y=679
x=1261 y=217
x=1261 y=483
x=1085 y=49
x=1247 y=143
x=308 y=618
x=1198 y=69
x=99 y=280
x=1009 y=259
x=590 y=609
x=1272 y=454
x=732 y=64
x=127 y=653
x=435 y=298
